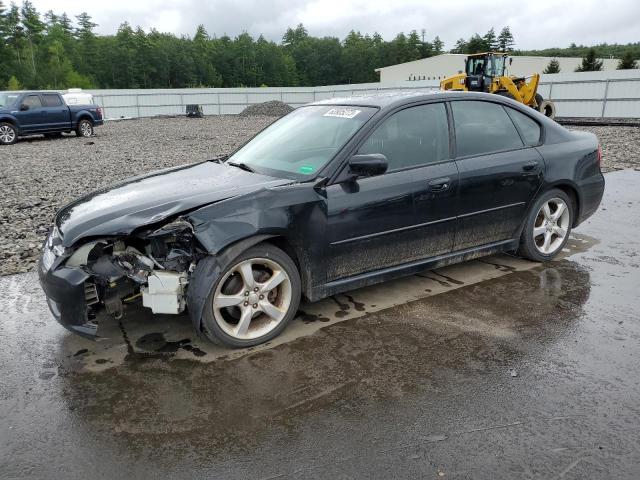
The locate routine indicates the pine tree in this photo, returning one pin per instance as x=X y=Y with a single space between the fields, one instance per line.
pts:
x=14 y=84
x=87 y=45
x=553 y=67
x=460 y=47
x=5 y=54
x=33 y=29
x=590 y=62
x=490 y=40
x=476 y=44
x=505 y=40
x=627 y=62
x=438 y=46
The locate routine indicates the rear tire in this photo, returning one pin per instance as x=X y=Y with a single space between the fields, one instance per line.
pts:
x=539 y=100
x=8 y=134
x=254 y=298
x=548 y=226
x=84 y=128
x=545 y=107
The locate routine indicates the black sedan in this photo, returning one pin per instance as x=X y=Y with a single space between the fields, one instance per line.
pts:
x=336 y=195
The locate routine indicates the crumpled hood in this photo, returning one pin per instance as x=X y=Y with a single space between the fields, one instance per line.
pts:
x=151 y=198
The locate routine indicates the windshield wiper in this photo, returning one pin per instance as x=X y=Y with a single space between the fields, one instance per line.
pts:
x=242 y=166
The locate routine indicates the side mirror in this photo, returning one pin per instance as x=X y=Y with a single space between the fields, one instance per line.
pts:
x=368 y=165
x=24 y=108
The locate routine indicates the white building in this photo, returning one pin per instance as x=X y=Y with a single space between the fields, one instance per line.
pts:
x=443 y=66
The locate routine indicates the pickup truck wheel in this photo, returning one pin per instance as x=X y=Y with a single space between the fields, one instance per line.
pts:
x=85 y=128
x=254 y=299
x=8 y=134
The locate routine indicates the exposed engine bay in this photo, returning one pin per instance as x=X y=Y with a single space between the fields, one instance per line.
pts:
x=152 y=264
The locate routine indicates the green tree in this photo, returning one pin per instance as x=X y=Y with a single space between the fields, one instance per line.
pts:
x=460 y=47
x=627 y=62
x=14 y=84
x=438 y=46
x=490 y=40
x=552 y=67
x=476 y=44
x=590 y=62
x=33 y=29
x=87 y=58
x=414 y=47
x=506 y=41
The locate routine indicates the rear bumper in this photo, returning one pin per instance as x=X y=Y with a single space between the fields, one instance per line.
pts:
x=98 y=122
x=591 y=193
x=65 y=291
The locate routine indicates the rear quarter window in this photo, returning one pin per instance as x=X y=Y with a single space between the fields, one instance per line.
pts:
x=529 y=128
x=483 y=127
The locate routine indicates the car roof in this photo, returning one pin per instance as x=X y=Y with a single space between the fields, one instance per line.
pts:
x=395 y=98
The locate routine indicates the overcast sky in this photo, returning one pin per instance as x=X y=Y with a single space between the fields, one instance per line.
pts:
x=539 y=24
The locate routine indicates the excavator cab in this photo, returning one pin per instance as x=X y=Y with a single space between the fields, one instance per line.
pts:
x=481 y=70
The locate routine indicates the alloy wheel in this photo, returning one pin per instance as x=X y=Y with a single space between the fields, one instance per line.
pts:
x=252 y=298
x=551 y=226
x=85 y=129
x=7 y=134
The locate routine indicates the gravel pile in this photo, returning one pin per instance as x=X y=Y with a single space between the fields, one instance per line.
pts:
x=39 y=176
x=274 y=108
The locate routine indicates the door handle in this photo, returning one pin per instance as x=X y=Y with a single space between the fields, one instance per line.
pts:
x=527 y=167
x=439 y=184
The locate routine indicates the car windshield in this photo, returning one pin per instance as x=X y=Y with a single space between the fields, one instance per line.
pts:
x=7 y=99
x=302 y=143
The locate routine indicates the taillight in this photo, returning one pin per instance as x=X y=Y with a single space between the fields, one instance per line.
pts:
x=599 y=156
x=99 y=110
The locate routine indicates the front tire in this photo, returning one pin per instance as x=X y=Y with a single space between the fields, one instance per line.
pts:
x=84 y=128
x=8 y=134
x=548 y=226
x=254 y=298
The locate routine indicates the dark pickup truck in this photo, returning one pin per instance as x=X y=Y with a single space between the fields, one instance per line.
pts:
x=29 y=113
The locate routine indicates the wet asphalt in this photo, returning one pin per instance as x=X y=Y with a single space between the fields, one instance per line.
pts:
x=529 y=372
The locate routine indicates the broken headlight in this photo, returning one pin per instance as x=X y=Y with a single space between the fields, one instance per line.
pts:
x=53 y=248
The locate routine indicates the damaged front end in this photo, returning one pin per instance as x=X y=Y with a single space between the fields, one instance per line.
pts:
x=152 y=264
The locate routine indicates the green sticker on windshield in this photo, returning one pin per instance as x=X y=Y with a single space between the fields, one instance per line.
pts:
x=306 y=169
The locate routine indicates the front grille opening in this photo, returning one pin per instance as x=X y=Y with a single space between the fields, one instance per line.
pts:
x=91 y=293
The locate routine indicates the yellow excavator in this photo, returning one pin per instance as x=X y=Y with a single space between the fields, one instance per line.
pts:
x=484 y=72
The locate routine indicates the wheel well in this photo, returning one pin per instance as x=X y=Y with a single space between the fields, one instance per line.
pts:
x=283 y=244
x=85 y=117
x=9 y=121
x=575 y=201
x=286 y=247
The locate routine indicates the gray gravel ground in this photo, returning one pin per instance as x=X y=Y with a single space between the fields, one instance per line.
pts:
x=39 y=176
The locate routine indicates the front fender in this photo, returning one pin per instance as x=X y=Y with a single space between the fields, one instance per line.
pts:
x=10 y=119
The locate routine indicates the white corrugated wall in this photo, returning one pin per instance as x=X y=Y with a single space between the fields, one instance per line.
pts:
x=612 y=94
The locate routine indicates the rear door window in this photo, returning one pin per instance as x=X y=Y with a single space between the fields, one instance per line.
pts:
x=32 y=101
x=51 y=100
x=412 y=137
x=529 y=128
x=483 y=127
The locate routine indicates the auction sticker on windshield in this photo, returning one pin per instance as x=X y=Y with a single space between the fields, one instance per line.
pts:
x=342 y=112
